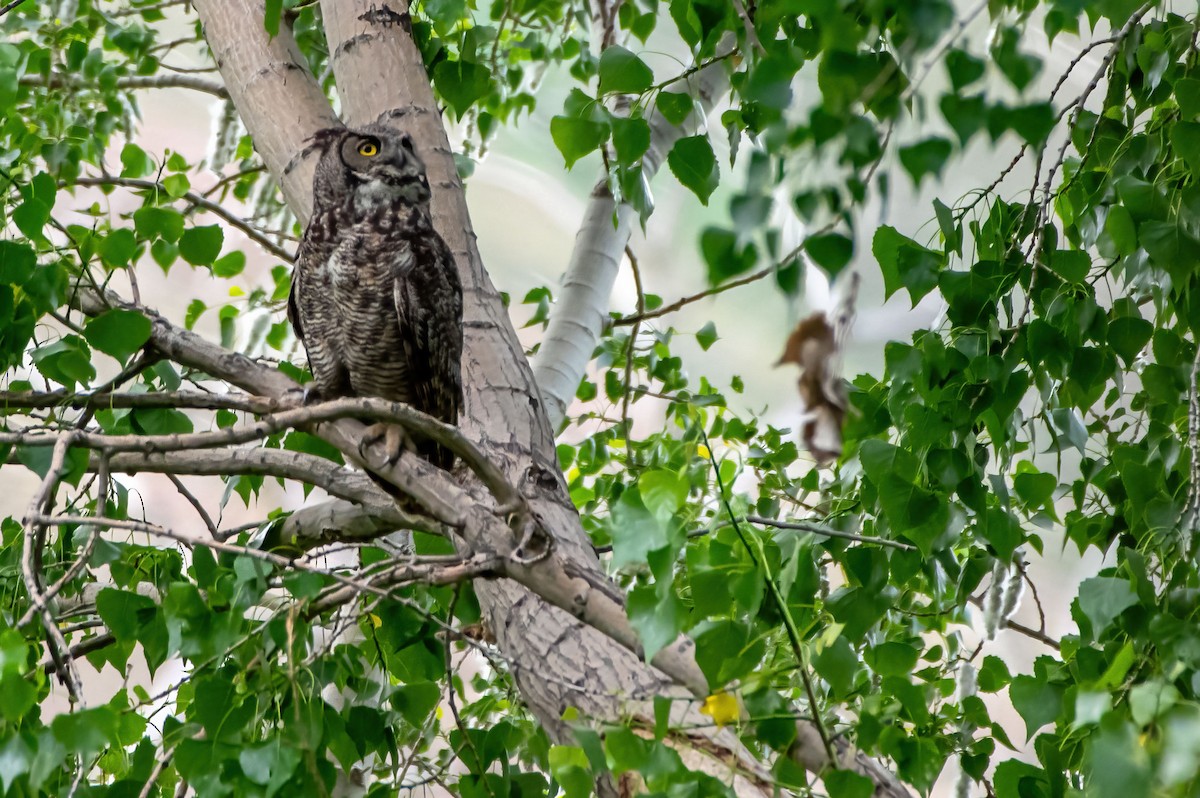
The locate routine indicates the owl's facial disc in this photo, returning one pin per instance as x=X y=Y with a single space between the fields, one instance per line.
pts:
x=385 y=168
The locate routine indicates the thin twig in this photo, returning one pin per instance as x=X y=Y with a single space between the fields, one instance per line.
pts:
x=196 y=505
x=789 y=623
x=31 y=572
x=818 y=529
x=86 y=554
x=197 y=201
x=633 y=334
x=10 y=7
x=720 y=289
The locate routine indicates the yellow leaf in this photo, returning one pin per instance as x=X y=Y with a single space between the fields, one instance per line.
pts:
x=703 y=451
x=376 y=621
x=722 y=707
x=236 y=291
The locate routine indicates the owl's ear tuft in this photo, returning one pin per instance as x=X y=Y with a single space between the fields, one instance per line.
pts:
x=326 y=136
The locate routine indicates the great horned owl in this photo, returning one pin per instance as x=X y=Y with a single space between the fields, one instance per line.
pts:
x=375 y=294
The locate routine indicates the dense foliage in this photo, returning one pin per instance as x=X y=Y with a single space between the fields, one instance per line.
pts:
x=1054 y=406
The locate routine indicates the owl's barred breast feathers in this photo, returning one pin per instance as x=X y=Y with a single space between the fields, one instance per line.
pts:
x=376 y=297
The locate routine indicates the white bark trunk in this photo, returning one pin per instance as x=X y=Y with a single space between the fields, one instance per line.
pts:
x=581 y=311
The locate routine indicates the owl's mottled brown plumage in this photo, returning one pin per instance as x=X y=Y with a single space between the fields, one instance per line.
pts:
x=376 y=297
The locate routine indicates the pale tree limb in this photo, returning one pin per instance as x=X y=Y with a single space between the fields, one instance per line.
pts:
x=61 y=81
x=581 y=312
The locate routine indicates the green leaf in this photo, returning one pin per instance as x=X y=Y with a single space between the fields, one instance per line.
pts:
x=1001 y=530
x=694 y=165
x=881 y=459
x=1121 y=230
x=1128 y=336
x=905 y=264
x=271 y=16
x=200 y=246
x=707 y=336
x=270 y=764
x=725 y=651
x=1151 y=700
x=1185 y=139
x=848 y=784
x=1103 y=598
x=1032 y=123
x=663 y=492
x=118 y=332
x=16 y=758
x=657 y=622
x=416 y=701
x=631 y=139
x=838 y=666
x=674 y=106
x=965 y=115
x=1118 y=764
x=1018 y=67
x=724 y=255
x=636 y=530
x=963 y=68
x=1017 y=779
x=230 y=264
x=576 y=137
x=623 y=72
x=462 y=83
x=135 y=162
x=1187 y=94
x=925 y=158
x=124 y=612
x=1037 y=702
x=176 y=185
x=153 y=222
x=892 y=658
x=17 y=697
x=86 y=730
x=951 y=231
x=1170 y=247
x=17 y=262
x=831 y=251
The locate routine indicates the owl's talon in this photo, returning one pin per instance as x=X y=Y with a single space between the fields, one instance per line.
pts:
x=395 y=440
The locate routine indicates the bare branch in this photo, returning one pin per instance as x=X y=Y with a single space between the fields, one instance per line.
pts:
x=205 y=518
x=820 y=529
x=31 y=570
x=74 y=82
x=179 y=400
x=642 y=316
x=198 y=201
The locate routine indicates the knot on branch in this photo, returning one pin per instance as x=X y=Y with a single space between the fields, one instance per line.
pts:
x=534 y=543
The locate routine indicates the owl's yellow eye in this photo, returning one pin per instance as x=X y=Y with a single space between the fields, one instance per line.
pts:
x=368 y=150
